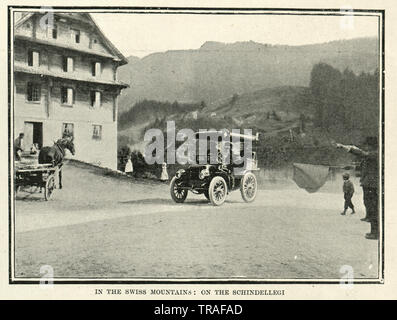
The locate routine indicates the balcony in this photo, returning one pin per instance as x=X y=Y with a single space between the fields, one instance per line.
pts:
x=43 y=71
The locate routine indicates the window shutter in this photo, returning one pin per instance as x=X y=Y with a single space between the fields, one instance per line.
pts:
x=92 y=98
x=65 y=64
x=29 y=91
x=97 y=68
x=97 y=99
x=55 y=32
x=70 y=96
x=38 y=92
x=93 y=69
x=74 y=95
x=35 y=57
x=69 y=64
x=63 y=95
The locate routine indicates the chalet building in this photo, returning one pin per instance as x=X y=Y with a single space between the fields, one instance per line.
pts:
x=65 y=80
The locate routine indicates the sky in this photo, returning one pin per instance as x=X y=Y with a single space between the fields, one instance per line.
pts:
x=142 y=34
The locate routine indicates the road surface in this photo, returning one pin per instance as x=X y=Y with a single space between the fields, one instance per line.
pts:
x=103 y=226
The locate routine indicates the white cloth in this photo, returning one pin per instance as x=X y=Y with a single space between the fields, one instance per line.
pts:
x=128 y=167
x=164 y=174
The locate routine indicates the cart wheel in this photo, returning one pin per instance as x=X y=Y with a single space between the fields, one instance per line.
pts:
x=248 y=187
x=49 y=187
x=217 y=191
x=177 y=194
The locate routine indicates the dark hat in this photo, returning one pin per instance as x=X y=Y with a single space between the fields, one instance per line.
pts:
x=372 y=142
x=346 y=175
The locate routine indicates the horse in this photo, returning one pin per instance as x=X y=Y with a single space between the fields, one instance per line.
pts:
x=55 y=154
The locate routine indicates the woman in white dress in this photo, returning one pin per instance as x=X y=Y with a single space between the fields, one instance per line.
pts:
x=164 y=173
x=128 y=167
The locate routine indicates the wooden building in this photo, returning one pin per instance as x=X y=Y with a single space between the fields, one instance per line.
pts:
x=65 y=80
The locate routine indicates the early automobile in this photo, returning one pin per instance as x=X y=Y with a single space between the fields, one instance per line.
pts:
x=215 y=180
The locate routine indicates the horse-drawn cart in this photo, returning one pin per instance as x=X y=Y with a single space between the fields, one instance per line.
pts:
x=36 y=175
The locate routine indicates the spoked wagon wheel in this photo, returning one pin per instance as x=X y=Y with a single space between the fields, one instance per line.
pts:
x=217 y=191
x=49 y=187
x=177 y=194
x=248 y=187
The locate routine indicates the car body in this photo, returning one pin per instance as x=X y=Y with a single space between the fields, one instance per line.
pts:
x=216 y=180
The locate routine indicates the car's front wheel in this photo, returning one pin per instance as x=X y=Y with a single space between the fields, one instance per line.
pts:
x=217 y=191
x=177 y=194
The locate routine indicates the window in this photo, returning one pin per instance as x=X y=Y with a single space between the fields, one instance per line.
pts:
x=92 y=43
x=76 y=35
x=95 y=97
x=68 y=128
x=67 y=96
x=67 y=64
x=54 y=31
x=96 y=132
x=33 y=58
x=33 y=92
x=96 y=68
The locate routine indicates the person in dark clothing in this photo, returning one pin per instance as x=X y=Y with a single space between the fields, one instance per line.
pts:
x=369 y=180
x=18 y=146
x=348 y=190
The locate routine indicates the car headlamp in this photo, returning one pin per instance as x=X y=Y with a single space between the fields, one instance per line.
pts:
x=179 y=173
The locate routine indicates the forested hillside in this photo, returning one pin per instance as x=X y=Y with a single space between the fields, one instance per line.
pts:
x=218 y=70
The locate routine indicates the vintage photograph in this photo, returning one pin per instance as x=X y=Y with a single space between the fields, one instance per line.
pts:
x=193 y=145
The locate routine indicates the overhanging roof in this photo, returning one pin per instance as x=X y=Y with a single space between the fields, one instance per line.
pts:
x=122 y=59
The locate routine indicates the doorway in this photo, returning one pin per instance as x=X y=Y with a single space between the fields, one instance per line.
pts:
x=33 y=134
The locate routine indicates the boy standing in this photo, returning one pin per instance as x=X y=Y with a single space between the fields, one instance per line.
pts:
x=348 y=190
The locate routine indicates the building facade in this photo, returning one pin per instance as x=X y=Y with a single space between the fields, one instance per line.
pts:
x=65 y=80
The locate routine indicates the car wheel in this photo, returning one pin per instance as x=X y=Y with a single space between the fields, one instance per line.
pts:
x=177 y=194
x=248 y=187
x=217 y=191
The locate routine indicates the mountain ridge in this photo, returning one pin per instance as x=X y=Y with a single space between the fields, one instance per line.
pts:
x=218 y=70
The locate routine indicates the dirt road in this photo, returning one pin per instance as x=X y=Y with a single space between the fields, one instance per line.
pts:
x=101 y=226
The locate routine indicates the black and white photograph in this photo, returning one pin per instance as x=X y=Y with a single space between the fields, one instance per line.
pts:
x=196 y=145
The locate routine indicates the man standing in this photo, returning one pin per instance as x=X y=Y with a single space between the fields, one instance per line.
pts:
x=18 y=146
x=369 y=181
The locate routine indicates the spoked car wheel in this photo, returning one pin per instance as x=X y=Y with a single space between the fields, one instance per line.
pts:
x=217 y=191
x=248 y=187
x=177 y=194
x=49 y=187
